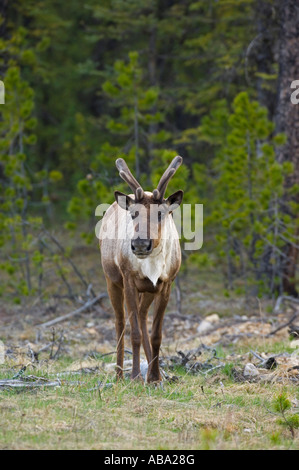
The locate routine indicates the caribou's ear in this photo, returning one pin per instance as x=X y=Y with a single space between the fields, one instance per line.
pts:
x=123 y=200
x=175 y=199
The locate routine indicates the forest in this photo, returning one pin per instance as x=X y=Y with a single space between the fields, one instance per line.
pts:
x=85 y=83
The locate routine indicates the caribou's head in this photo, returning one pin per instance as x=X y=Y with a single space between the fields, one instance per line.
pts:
x=148 y=210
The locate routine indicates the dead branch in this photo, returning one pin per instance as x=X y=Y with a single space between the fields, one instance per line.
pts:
x=284 y=325
x=28 y=382
x=176 y=314
x=283 y=298
x=59 y=346
x=64 y=279
x=72 y=264
x=87 y=305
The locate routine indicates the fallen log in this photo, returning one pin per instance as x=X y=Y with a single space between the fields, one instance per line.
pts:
x=29 y=382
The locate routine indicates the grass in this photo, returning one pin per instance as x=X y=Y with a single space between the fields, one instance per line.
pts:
x=196 y=412
x=202 y=411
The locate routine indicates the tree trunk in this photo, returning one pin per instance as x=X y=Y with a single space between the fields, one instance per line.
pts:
x=265 y=50
x=287 y=115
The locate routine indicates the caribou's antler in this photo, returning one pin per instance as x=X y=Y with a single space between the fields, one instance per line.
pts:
x=127 y=176
x=167 y=175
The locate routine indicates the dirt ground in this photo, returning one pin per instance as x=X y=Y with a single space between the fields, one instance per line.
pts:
x=225 y=362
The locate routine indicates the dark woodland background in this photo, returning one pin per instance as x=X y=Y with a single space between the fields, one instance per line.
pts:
x=87 y=82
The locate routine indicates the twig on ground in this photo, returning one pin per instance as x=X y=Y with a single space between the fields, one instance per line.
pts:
x=44 y=348
x=176 y=314
x=260 y=358
x=283 y=298
x=59 y=347
x=284 y=325
x=32 y=354
x=20 y=373
x=213 y=368
x=28 y=382
x=87 y=305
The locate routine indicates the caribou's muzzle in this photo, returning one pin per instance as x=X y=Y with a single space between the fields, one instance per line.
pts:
x=141 y=247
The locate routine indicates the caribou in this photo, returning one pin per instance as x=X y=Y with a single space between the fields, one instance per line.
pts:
x=141 y=256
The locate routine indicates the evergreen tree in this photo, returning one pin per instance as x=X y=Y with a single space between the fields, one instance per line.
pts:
x=248 y=186
x=16 y=128
x=146 y=81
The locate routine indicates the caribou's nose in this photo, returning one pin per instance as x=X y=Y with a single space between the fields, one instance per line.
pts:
x=141 y=246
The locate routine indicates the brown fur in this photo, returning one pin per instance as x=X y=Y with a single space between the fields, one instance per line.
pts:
x=127 y=285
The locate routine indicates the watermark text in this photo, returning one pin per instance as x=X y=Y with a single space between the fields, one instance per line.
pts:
x=2 y=93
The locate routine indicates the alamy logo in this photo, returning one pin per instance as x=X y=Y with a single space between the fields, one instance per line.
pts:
x=2 y=93
x=2 y=352
x=295 y=94
x=188 y=220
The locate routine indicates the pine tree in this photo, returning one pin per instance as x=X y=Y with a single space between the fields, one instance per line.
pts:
x=21 y=187
x=16 y=127
x=248 y=200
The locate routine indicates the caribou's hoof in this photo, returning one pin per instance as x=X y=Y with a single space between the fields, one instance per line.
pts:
x=137 y=377
x=152 y=379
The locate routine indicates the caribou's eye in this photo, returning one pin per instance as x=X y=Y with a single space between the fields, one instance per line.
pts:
x=134 y=215
x=161 y=214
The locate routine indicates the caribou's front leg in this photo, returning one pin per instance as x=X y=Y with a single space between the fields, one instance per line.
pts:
x=117 y=299
x=132 y=302
x=145 y=303
x=161 y=302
